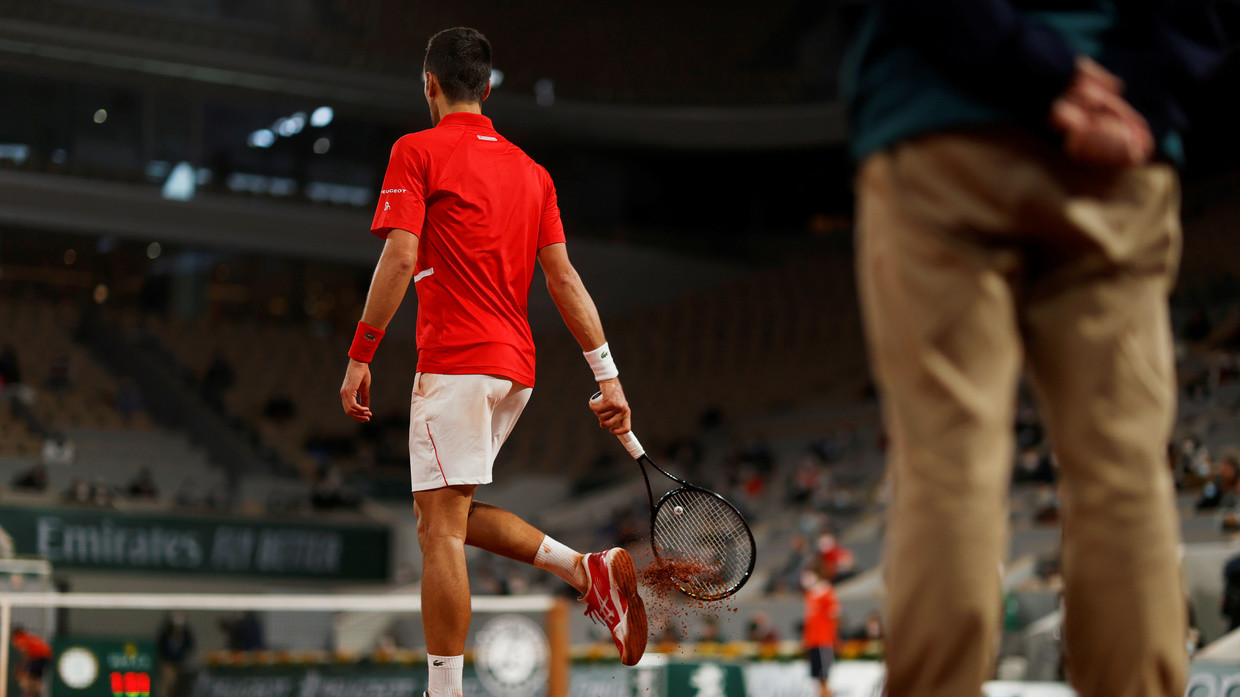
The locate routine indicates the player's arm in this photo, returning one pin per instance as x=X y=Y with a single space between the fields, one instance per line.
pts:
x=577 y=308
x=387 y=289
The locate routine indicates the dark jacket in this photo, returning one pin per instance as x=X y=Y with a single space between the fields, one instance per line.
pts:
x=922 y=66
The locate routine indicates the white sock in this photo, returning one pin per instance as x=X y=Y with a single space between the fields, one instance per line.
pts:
x=560 y=560
x=445 y=675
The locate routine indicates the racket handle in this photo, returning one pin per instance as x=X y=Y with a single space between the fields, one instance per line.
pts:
x=631 y=444
x=628 y=440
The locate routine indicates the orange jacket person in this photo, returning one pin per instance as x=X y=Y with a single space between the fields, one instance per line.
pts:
x=822 y=621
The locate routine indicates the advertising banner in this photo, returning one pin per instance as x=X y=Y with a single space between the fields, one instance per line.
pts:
x=119 y=541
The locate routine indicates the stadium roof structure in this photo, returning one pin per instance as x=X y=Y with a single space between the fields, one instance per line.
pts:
x=646 y=73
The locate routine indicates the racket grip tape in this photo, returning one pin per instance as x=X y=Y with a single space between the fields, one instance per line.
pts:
x=631 y=444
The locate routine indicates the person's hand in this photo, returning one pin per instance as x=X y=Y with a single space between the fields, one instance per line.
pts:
x=611 y=408
x=1099 y=126
x=355 y=392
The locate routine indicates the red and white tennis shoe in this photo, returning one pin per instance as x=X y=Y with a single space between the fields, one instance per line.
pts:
x=613 y=600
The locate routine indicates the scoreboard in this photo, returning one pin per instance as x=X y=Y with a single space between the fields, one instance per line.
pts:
x=90 y=667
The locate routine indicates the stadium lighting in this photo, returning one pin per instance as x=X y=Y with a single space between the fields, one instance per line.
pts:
x=497 y=78
x=262 y=138
x=181 y=184
x=292 y=125
x=322 y=145
x=101 y=115
x=323 y=115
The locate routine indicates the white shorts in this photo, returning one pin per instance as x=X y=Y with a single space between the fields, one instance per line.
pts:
x=457 y=424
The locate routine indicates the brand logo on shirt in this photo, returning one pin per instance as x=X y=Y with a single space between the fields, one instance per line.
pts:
x=490 y=138
x=387 y=205
x=394 y=191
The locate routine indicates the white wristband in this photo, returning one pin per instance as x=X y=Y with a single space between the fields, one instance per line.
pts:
x=601 y=362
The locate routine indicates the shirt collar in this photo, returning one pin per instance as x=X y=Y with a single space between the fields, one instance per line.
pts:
x=465 y=118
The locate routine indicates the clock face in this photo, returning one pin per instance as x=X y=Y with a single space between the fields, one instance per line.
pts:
x=78 y=668
x=510 y=656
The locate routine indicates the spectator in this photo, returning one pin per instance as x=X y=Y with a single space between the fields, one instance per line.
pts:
x=77 y=492
x=761 y=630
x=59 y=450
x=1034 y=466
x=709 y=632
x=1194 y=459
x=244 y=632
x=874 y=627
x=33 y=655
x=822 y=621
x=789 y=574
x=1220 y=491
x=143 y=486
x=102 y=493
x=32 y=479
x=174 y=645
x=756 y=452
x=330 y=491
x=838 y=562
x=805 y=480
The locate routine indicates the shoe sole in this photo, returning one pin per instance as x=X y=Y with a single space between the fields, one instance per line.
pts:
x=625 y=577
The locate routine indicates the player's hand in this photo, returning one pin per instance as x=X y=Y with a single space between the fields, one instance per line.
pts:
x=1099 y=126
x=611 y=408
x=355 y=392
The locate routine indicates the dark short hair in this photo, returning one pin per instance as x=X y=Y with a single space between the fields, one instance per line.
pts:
x=460 y=58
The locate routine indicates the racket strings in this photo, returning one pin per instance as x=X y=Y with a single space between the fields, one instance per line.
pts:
x=704 y=541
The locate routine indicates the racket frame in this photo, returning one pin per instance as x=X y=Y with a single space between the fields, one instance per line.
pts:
x=631 y=444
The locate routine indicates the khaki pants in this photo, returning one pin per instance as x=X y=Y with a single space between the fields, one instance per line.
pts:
x=977 y=253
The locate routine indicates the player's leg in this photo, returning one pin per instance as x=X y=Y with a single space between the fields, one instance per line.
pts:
x=443 y=515
x=940 y=321
x=506 y=534
x=1100 y=350
x=828 y=661
x=606 y=580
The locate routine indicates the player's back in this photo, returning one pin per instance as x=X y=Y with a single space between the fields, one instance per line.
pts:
x=482 y=209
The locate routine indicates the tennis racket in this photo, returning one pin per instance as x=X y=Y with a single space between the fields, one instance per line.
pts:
x=701 y=540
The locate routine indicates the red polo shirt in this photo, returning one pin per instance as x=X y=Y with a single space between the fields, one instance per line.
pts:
x=822 y=616
x=481 y=209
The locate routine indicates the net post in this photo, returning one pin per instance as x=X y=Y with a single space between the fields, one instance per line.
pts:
x=559 y=658
x=6 y=623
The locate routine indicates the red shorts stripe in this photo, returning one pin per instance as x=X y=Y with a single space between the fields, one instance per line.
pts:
x=436 y=451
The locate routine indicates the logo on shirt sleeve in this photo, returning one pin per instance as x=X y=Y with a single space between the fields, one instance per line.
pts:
x=387 y=205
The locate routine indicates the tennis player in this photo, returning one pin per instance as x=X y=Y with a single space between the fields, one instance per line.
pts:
x=464 y=214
